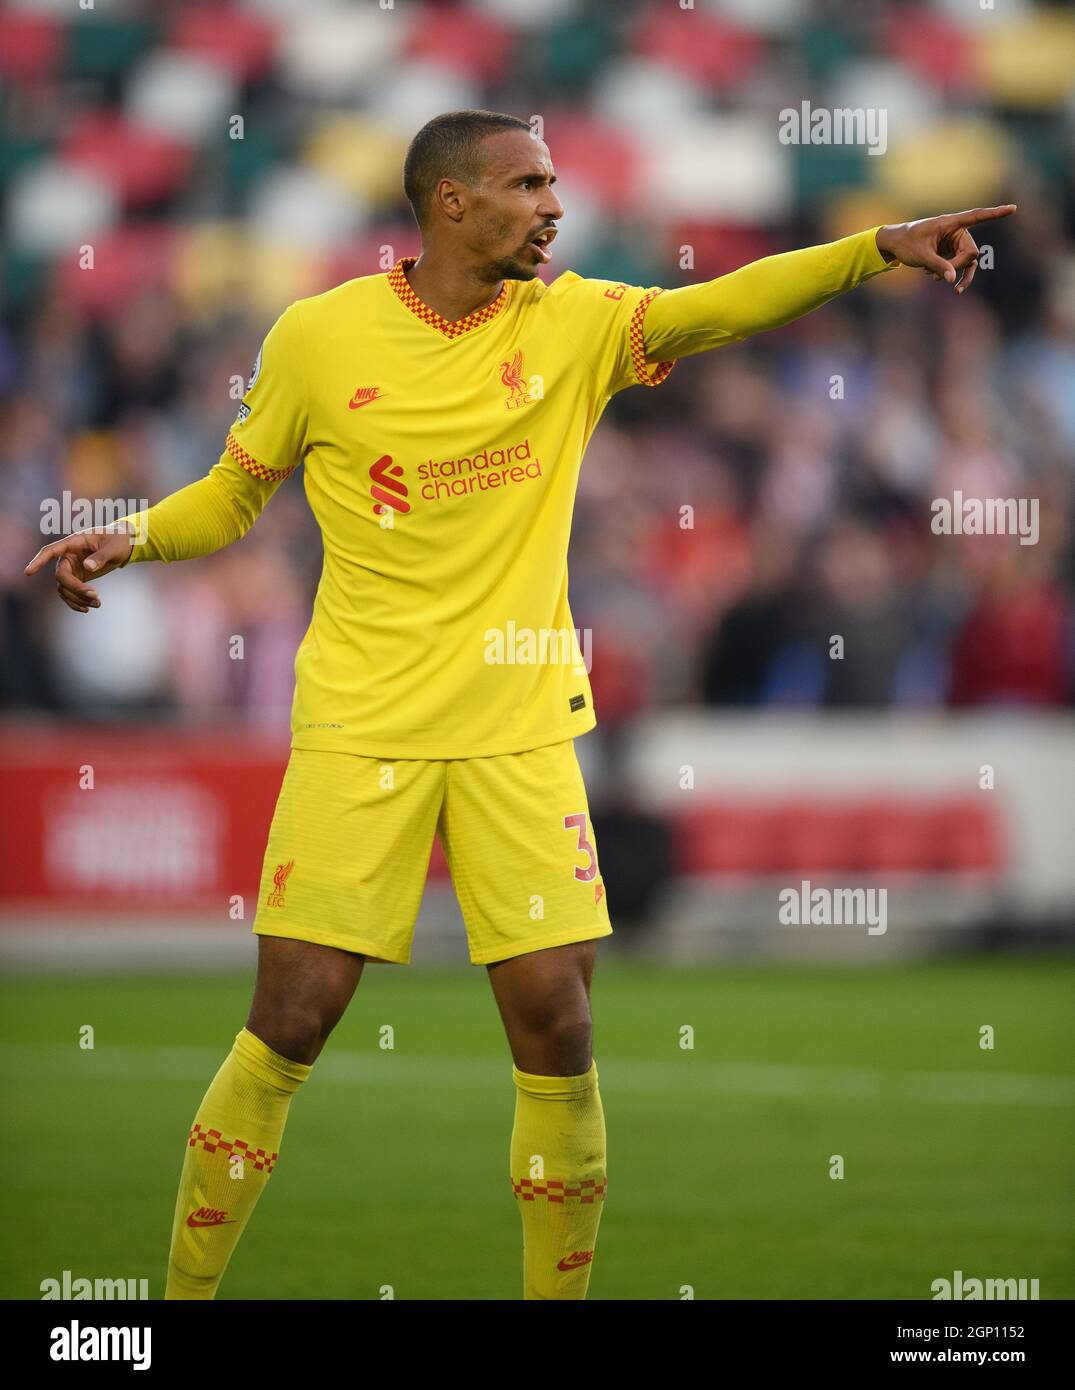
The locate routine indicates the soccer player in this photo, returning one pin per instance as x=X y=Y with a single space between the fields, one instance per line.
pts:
x=441 y=411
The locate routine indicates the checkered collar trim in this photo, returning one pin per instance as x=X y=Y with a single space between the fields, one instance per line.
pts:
x=451 y=329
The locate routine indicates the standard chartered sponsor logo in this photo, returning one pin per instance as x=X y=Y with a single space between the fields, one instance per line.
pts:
x=483 y=471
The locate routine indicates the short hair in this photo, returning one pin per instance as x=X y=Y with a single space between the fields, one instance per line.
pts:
x=449 y=147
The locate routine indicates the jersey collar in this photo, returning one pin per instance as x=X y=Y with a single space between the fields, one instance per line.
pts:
x=450 y=328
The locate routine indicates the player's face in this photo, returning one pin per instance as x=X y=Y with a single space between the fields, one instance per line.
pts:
x=512 y=204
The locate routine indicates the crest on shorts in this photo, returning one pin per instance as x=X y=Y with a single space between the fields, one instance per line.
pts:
x=279 y=878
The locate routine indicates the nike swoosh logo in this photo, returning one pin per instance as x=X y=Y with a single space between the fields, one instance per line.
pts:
x=354 y=404
x=192 y=1222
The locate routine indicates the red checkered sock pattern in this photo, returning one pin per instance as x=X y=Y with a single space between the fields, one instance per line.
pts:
x=558 y=1177
x=231 y=1150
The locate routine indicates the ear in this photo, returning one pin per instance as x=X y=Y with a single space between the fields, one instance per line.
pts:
x=449 y=197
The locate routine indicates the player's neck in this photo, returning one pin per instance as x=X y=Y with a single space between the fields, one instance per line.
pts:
x=449 y=286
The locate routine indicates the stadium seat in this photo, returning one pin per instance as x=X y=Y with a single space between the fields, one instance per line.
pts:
x=55 y=207
x=102 y=49
x=182 y=95
x=871 y=836
x=813 y=836
x=241 y=42
x=727 y=166
x=474 y=43
x=222 y=264
x=141 y=166
x=724 y=838
x=363 y=253
x=299 y=205
x=652 y=99
x=524 y=14
x=568 y=53
x=125 y=261
x=891 y=836
x=360 y=154
x=30 y=46
x=712 y=50
x=336 y=53
x=719 y=247
x=421 y=90
x=1027 y=61
x=16 y=154
x=966 y=836
x=980 y=161
x=601 y=156
x=933 y=46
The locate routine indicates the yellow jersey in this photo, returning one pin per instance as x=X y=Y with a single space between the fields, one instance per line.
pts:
x=440 y=460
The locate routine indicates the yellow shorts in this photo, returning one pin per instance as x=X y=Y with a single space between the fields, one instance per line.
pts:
x=351 y=837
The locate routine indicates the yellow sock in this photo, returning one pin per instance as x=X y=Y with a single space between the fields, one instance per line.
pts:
x=231 y=1150
x=558 y=1176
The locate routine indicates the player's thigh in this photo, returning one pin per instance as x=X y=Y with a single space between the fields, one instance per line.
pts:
x=517 y=835
x=348 y=852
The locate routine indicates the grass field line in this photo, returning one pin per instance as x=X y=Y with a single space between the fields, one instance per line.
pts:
x=681 y=1074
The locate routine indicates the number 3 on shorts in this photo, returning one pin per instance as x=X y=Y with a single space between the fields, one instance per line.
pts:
x=578 y=822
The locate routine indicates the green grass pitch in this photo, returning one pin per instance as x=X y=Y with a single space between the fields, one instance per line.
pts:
x=393 y=1169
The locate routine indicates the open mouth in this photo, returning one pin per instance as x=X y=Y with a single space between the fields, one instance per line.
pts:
x=541 y=244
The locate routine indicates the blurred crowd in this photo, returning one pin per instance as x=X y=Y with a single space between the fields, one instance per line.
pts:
x=767 y=500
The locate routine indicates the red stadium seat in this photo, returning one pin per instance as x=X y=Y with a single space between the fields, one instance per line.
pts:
x=890 y=836
x=797 y=836
x=124 y=262
x=966 y=836
x=718 y=248
x=711 y=50
x=30 y=46
x=141 y=165
x=725 y=838
x=599 y=157
x=928 y=44
x=241 y=42
x=472 y=43
x=813 y=836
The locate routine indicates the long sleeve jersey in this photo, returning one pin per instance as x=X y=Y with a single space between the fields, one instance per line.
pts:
x=440 y=461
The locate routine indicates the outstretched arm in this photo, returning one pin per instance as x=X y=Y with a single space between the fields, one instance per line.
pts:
x=263 y=448
x=778 y=289
x=196 y=520
x=206 y=515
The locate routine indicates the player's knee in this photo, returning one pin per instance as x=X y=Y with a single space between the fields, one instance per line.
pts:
x=566 y=1043
x=294 y=1030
